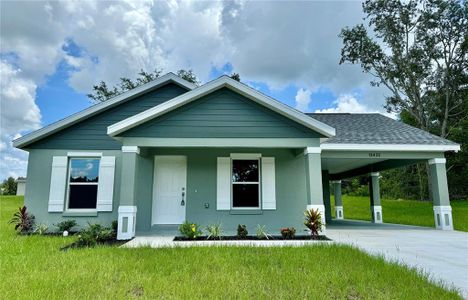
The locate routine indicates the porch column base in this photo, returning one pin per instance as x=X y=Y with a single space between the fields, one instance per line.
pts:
x=339 y=213
x=376 y=214
x=321 y=209
x=443 y=217
x=126 y=222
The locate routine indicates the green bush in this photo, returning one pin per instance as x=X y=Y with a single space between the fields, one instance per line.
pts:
x=262 y=232
x=190 y=230
x=114 y=225
x=94 y=234
x=313 y=221
x=242 y=231
x=41 y=229
x=288 y=233
x=214 y=231
x=23 y=221
x=65 y=225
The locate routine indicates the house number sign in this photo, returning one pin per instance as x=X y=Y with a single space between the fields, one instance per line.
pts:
x=374 y=154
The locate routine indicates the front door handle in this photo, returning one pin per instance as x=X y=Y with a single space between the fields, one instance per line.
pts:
x=182 y=203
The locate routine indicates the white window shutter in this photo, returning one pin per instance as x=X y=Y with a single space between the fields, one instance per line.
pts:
x=105 y=192
x=58 y=184
x=268 y=183
x=223 y=186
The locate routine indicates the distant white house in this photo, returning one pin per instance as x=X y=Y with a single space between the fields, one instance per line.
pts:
x=21 y=187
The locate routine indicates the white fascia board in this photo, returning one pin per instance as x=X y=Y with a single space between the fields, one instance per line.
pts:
x=389 y=147
x=214 y=85
x=97 y=108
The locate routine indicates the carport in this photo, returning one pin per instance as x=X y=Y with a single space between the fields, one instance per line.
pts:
x=366 y=144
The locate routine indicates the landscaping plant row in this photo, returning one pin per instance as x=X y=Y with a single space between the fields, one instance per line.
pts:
x=89 y=236
x=192 y=231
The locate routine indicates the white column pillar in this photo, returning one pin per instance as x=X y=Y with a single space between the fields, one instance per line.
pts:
x=440 y=195
x=313 y=164
x=339 y=214
x=126 y=222
x=374 y=191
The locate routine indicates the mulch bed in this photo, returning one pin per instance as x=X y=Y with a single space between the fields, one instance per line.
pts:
x=254 y=238
x=112 y=242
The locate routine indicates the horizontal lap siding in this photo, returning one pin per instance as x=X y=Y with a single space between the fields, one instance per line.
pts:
x=222 y=114
x=92 y=133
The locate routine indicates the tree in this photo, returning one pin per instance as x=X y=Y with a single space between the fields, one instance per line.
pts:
x=9 y=186
x=235 y=76
x=102 y=92
x=189 y=76
x=418 y=50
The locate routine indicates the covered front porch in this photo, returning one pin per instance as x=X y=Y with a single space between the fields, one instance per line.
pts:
x=199 y=186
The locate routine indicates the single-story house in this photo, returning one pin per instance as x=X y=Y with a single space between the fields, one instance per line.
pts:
x=170 y=151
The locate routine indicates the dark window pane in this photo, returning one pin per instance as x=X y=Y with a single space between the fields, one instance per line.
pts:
x=244 y=170
x=84 y=170
x=83 y=196
x=245 y=195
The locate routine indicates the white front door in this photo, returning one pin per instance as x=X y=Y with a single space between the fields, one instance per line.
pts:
x=169 y=189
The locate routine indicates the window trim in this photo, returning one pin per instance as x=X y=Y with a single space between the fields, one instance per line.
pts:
x=67 y=190
x=247 y=156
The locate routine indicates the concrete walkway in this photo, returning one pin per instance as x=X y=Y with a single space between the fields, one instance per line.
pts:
x=443 y=254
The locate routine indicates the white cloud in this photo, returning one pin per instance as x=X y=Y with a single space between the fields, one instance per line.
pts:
x=347 y=103
x=18 y=112
x=303 y=99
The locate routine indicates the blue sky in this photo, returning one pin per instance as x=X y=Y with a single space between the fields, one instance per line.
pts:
x=52 y=53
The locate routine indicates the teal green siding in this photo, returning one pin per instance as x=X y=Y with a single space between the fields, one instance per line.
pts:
x=36 y=197
x=201 y=188
x=222 y=114
x=92 y=133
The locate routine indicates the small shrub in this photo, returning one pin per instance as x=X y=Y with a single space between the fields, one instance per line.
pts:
x=242 y=231
x=214 y=231
x=114 y=225
x=288 y=233
x=41 y=229
x=23 y=221
x=65 y=225
x=313 y=221
x=262 y=232
x=190 y=230
x=94 y=234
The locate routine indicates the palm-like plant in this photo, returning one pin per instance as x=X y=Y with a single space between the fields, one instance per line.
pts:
x=214 y=231
x=23 y=221
x=313 y=221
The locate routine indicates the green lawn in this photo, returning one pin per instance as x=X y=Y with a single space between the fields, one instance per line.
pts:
x=403 y=211
x=32 y=267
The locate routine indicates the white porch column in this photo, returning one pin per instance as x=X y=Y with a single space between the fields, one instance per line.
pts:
x=313 y=164
x=339 y=214
x=374 y=192
x=440 y=195
x=127 y=209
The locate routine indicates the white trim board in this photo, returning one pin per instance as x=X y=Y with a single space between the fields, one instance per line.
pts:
x=389 y=147
x=223 y=81
x=97 y=108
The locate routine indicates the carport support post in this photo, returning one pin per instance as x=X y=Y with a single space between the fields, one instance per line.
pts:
x=374 y=192
x=313 y=166
x=440 y=195
x=127 y=210
x=339 y=215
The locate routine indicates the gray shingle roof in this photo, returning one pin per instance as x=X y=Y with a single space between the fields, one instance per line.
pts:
x=375 y=129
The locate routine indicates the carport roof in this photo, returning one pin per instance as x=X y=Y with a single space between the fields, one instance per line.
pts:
x=374 y=128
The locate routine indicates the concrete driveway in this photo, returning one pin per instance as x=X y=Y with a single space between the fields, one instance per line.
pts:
x=444 y=254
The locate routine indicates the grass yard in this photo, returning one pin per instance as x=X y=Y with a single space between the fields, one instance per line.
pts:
x=408 y=212
x=32 y=267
